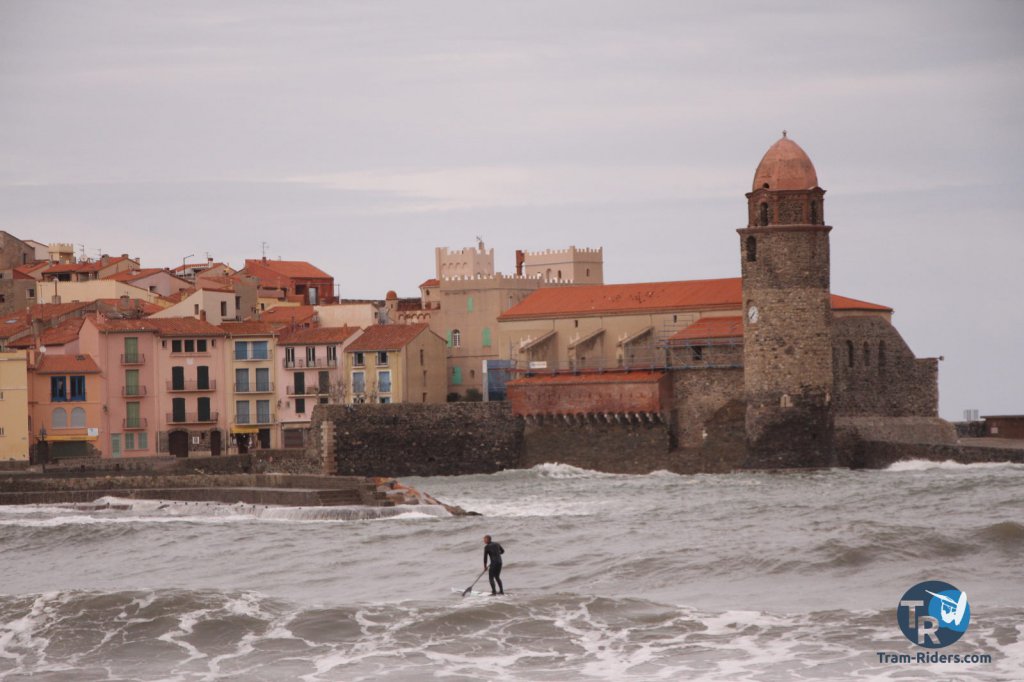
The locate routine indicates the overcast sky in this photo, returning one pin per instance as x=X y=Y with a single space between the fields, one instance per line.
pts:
x=360 y=135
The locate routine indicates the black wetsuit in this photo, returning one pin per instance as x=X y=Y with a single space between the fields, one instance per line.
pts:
x=493 y=551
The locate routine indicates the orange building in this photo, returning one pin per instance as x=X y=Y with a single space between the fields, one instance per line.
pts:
x=66 y=399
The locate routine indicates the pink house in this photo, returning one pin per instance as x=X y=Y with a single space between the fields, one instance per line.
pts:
x=66 y=397
x=311 y=370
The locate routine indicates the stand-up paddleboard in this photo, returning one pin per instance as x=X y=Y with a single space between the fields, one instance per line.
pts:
x=477 y=593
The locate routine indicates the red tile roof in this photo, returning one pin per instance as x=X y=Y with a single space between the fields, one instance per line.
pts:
x=287 y=314
x=64 y=333
x=167 y=326
x=317 y=335
x=434 y=282
x=249 y=328
x=132 y=275
x=711 y=328
x=134 y=305
x=294 y=269
x=66 y=364
x=386 y=337
x=25 y=271
x=639 y=377
x=15 y=323
x=649 y=297
x=87 y=266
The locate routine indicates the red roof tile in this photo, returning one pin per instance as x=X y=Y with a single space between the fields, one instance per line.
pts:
x=134 y=305
x=638 y=377
x=299 y=269
x=249 y=328
x=15 y=323
x=315 y=335
x=66 y=364
x=711 y=328
x=166 y=326
x=288 y=314
x=64 y=333
x=132 y=275
x=619 y=299
x=386 y=337
x=434 y=282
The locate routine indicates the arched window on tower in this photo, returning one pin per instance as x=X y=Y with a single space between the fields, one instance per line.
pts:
x=751 y=249
x=867 y=354
x=764 y=214
x=814 y=212
x=881 y=356
x=849 y=353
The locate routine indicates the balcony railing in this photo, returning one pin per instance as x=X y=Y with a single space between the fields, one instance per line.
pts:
x=138 y=423
x=321 y=363
x=253 y=356
x=191 y=418
x=258 y=387
x=309 y=390
x=181 y=386
x=254 y=419
x=133 y=391
x=133 y=359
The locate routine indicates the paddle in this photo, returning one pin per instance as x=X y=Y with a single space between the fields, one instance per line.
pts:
x=469 y=589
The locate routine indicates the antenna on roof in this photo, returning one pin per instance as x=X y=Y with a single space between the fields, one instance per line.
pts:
x=263 y=246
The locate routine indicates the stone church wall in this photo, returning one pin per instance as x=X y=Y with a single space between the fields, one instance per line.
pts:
x=876 y=373
x=697 y=395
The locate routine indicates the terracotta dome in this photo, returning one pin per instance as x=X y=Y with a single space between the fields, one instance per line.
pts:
x=785 y=166
x=391 y=296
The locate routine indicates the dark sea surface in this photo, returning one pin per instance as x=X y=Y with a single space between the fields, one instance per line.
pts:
x=754 y=576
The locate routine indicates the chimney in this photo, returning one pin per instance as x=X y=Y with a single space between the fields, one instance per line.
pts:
x=125 y=256
x=202 y=315
x=55 y=300
x=124 y=303
x=105 y=260
x=520 y=259
x=209 y=260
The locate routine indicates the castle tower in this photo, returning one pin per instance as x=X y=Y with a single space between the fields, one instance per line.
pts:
x=787 y=346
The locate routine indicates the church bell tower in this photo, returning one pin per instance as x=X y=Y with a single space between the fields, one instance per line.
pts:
x=787 y=314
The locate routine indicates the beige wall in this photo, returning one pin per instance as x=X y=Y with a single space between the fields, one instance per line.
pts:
x=91 y=290
x=579 y=266
x=14 y=440
x=208 y=301
x=254 y=394
x=347 y=315
x=467 y=262
x=424 y=371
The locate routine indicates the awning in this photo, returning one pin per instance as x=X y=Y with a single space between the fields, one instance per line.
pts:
x=537 y=341
x=633 y=337
x=245 y=429
x=54 y=439
x=587 y=337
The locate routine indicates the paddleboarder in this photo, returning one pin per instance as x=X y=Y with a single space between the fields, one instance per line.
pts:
x=493 y=552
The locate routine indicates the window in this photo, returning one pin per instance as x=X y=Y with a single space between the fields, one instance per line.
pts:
x=289 y=356
x=190 y=345
x=58 y=389
x=456 y=376
x=200 y=345
x=242 y=412
x=177 y=378
x=469 y=304
x=814 y=212
x=698 y=353
x=311 y=355
x=59 y=419
x=751 y=249
x=262 y=411
x=382 y=358
x=176 y=346
x=223 y=308
x=384 y=400
x=30 y=293
x=78 y=418
x=358 y=359
x=332 y=355
x=300 y=383
x=421 y=363
x=129 y=441
x=203 y=409
x=196 y=310
x=178 y=410
x=241 y=380
x=881 y=354
x=262 y=379
x=77 y=388
x=131 y=382
x=358 y=382
x=133 y=419
x=384 y=381
x=241 y=350
x=764 y=214
x=456 y=338
x=260 y=350
x=203 y=378
x=300 y=406
x=143 y=440
x=849 y=353
x=131 y=349
x=867 y=355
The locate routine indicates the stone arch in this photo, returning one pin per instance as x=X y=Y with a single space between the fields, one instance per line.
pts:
x=763 y=214
x=849 y=353
x=867 y=354
x=881 y=356
x=751 y=249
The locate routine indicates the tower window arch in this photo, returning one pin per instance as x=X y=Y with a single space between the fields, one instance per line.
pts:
x=456 y=338
x=849 y=353
x=763 y=214
x=881 y=356
x=59 y=419
x=78 y=418
x=867 y=354
x=751 y=249
x=814 y=212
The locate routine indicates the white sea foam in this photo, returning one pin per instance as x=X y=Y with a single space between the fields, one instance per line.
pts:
x=925 y=465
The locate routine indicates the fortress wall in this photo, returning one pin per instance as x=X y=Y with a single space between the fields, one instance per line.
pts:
x=698 y=394
x=883 y=377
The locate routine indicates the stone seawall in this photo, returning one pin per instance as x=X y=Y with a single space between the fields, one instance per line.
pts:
x=880 y=454
x=417 y=440
x=636 y=447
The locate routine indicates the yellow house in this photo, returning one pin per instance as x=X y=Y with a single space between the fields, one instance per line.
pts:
x=397 y=363
x=14 y=405
x=252 y=400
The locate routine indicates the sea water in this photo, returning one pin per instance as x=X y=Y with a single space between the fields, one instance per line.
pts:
x=754 y=576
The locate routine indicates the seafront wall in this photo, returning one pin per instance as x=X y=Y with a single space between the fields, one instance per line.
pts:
x=417 y=440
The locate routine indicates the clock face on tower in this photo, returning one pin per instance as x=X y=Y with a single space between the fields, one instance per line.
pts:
x=752 y=314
